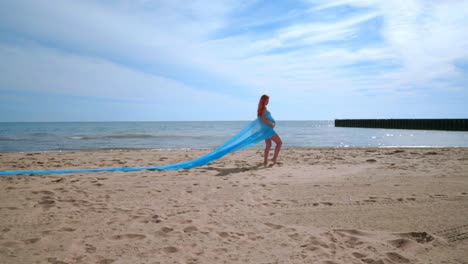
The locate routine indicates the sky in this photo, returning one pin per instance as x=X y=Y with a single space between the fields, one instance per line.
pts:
x=164 y=60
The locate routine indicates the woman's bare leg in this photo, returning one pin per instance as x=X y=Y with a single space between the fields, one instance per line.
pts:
x=267 y=151
x=279 y=143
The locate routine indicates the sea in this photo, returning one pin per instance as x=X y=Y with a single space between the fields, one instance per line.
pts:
x=71 y=136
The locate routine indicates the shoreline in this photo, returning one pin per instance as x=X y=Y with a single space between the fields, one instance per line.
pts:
x=254 y=147
x=320 y=205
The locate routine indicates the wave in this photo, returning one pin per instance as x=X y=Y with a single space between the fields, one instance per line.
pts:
x=15 y=139
x=418 y=146
x=41 y=134
x=137 y=136
x=119 y=148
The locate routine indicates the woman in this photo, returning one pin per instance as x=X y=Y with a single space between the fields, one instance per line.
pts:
x=266 y=117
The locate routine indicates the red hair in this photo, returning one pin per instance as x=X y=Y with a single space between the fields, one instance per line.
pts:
x=261 y=104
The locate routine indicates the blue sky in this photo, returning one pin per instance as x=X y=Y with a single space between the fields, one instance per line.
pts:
x=130 y=60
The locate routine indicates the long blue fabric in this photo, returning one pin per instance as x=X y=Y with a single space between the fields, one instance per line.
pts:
x=253 y=133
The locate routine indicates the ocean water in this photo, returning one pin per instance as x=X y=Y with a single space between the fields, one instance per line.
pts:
x=64 y=136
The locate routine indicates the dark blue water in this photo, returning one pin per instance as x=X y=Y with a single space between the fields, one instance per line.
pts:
x=61 y=136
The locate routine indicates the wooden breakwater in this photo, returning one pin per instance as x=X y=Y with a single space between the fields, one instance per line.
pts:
x=425 y=124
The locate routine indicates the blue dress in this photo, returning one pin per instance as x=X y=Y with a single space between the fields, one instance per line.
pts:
x=269 y=117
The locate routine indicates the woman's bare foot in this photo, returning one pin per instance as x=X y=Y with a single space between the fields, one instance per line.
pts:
x=274 y=162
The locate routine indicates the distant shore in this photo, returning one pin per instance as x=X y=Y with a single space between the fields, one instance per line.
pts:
x=319 y=205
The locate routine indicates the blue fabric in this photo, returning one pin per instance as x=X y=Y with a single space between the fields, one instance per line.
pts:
x=253 y=133
x=269 y=117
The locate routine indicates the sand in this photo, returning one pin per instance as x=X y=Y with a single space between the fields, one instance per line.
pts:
x=319 y=206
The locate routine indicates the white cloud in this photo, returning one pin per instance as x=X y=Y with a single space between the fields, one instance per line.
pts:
x=427 y=37
x=423 y=37
x=331 y=4
x=312 y=33
x=50 y=72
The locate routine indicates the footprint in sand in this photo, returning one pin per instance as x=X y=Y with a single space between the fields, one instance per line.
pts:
x=55 y=261
x=164 y=232
x=220 y=250
x=9 y=208
x=359 y=255
x=44 y=192
x=170 y=249
x=154 y=219
x=329 y=262
x=167 y=229
x=31 y=241
x=401 y=243
x=67 y=229
x=393 y=256
x=310 y=247
x=57 y=180
x=420 y=237
x=106 y=261
x=223 y=234
x=372 y=261
x=273 y=226
x=353 y=232
x=46 y=202
x=128 y=237
x=254 y=236
x=90 y=248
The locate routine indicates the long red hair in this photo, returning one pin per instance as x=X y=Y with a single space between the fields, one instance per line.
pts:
x=261 y=104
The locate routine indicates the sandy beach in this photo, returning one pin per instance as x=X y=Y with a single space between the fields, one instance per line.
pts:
x=330 y=206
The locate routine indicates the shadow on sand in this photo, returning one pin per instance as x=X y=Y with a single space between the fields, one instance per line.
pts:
x=228 y=171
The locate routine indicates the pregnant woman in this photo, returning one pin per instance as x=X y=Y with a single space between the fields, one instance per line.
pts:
x=266 y=118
